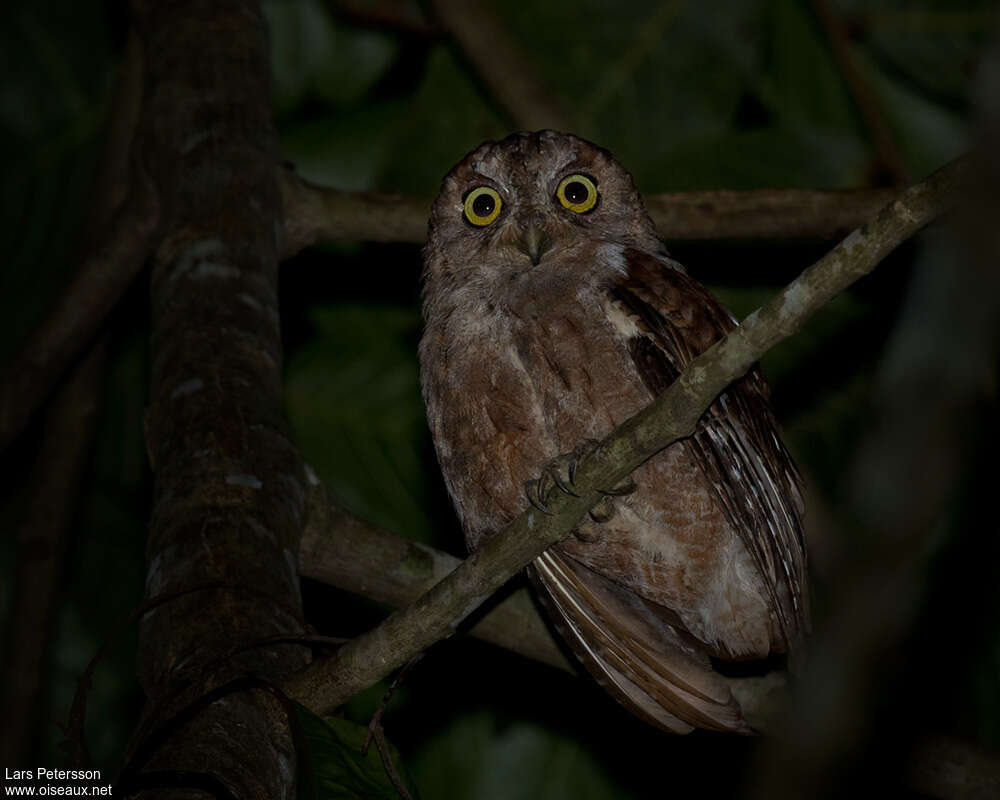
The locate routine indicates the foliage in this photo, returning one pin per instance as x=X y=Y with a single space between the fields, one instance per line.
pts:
x=687 y=95
x=335 y=763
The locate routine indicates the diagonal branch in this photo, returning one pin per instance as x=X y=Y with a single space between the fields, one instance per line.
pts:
x=340 y=550
x=329 y=682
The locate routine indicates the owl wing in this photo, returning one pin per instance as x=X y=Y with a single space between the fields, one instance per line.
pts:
x=736 y=445
x=648 y=664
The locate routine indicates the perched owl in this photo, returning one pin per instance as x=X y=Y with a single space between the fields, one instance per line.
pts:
x=553 y=313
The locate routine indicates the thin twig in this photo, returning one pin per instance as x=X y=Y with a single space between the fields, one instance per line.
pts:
x=376 y=720
x=390 y=767
x=377 y=733
x=329 y=682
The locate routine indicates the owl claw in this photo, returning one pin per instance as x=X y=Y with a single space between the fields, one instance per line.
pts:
x=532 y=490
x=554 y=476
x=563 y=484
x=560 y=473
x=582 y=450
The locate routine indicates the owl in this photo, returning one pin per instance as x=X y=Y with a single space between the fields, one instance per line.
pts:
x=552 y=314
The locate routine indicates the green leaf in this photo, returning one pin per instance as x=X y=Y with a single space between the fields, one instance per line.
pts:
x=333 y=766
x=353 y=400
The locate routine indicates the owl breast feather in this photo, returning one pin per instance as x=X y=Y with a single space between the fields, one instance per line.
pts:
x=511 y=392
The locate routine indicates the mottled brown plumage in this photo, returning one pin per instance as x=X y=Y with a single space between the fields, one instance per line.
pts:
x=552 y=315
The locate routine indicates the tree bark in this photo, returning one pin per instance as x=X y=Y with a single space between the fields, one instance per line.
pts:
x=228 y=484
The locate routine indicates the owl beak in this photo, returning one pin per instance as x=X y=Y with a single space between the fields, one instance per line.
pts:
x=534 y=243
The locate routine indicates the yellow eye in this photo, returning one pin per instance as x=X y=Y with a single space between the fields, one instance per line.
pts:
x=577 y=193
x=482 y=205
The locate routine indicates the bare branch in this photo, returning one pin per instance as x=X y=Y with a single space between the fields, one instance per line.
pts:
x=723 y=214
x=316 y=213
x=343 y=551
x=340 y=550
x=326 y=684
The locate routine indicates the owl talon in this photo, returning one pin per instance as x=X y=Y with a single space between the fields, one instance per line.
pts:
x=532 y=490
x=560 y=473
x=564 y=484
x=581 y=451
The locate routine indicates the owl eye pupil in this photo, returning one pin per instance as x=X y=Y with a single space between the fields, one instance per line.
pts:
x=575 y=192
x=483 y=205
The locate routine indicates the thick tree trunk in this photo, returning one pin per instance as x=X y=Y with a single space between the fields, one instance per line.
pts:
x=229 y=487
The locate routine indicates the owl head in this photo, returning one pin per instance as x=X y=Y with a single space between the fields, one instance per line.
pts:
x=531 y=212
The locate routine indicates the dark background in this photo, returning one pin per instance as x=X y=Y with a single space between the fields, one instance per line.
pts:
x=688 y=96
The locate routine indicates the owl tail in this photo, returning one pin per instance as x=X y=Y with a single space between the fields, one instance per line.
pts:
x=643 y=661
